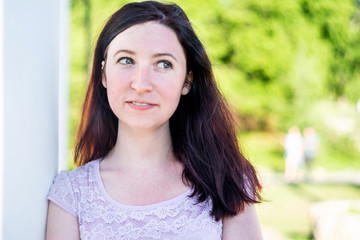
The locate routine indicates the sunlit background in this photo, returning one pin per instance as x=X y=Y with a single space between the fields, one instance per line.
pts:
x=280 y=64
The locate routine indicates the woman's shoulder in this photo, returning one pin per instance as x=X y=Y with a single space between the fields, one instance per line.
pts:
x=85 y=171
x=68 y=186
x=82 y=175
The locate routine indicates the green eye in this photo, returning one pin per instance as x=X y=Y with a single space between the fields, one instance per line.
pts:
x=126 y=61
x=164 y=64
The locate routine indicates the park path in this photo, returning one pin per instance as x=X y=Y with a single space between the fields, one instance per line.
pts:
x=318 y=176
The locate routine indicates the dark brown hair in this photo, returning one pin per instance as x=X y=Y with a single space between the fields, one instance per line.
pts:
x=202 y=127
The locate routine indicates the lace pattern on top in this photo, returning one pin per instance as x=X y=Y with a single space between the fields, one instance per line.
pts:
x=81 y=193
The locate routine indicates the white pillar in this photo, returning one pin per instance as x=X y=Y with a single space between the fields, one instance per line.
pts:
x=29 y=140
x=1 y=116
x=64 y=69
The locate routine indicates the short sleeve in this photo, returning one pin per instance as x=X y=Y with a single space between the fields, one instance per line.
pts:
x=62 y=194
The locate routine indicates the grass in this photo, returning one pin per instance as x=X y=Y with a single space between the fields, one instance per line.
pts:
x=287 y=206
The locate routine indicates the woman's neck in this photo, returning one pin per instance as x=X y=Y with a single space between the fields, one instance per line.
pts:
x=139 y=149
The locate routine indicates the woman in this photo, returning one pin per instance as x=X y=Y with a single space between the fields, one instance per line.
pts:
x=157 y=151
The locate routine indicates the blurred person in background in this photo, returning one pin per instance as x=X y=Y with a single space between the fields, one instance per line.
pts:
x=294 y=154
x=311 y=148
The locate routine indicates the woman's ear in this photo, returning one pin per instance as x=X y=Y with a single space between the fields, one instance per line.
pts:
x=188 y=83
x=103 y=77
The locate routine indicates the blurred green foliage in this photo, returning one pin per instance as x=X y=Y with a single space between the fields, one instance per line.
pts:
x=278 y=62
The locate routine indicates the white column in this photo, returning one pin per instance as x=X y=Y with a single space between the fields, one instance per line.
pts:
x=29 y=140
x=1 y=116
x=64 y=68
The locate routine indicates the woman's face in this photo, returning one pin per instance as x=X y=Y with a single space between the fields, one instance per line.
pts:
x=144 y=74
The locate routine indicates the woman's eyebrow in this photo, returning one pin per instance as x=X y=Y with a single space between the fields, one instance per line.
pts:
x=124 y=51
x=165 y=54
x=155 y=55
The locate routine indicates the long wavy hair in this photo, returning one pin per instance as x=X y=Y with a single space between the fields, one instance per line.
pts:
x=202 y=128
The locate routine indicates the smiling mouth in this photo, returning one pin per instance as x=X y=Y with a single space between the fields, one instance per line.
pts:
x=140 y=104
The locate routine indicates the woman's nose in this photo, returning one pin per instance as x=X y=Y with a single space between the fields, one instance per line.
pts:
x=141 y=79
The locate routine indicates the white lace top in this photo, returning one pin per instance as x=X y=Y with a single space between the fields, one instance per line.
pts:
x=82 y=194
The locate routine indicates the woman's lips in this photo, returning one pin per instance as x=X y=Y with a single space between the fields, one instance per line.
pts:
x=141 y=105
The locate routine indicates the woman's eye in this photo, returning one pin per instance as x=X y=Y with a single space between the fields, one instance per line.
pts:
x=126 y=61
x=164 y=64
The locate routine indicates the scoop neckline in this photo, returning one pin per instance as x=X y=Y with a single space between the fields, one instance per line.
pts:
x=101 y=185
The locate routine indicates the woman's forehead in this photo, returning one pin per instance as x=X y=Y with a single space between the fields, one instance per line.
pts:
x=150 y=36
